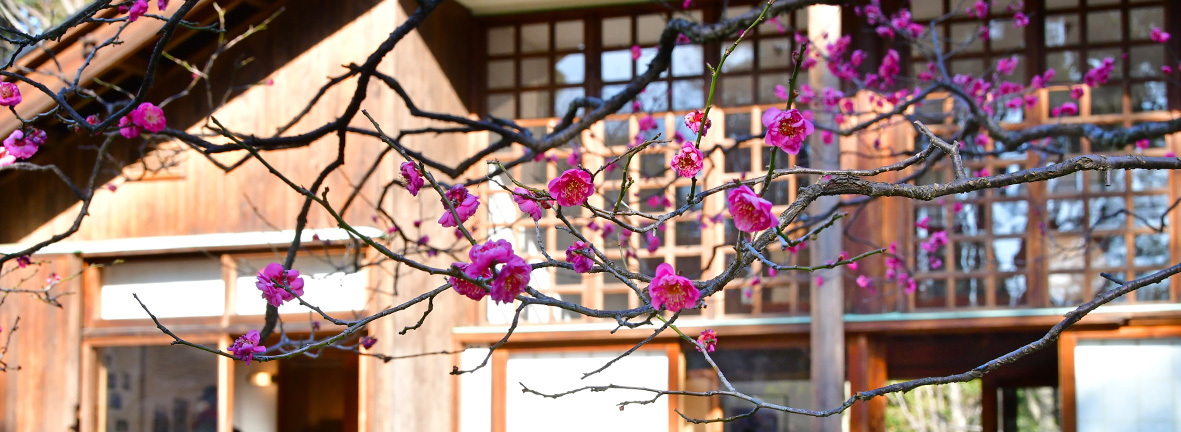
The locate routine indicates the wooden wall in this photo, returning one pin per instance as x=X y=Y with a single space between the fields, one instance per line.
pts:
x=304 y=46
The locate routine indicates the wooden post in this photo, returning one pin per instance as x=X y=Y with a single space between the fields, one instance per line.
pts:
x=828 y=305
x=867 y=371
x=988 y=406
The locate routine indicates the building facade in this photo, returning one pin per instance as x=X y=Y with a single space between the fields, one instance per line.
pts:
x=190 y=237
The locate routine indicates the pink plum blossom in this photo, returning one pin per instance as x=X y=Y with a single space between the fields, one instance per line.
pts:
x=707 y=339
x=688 y=161
x=1159 y=36
x=805 y=95
x=10 y=95
x=781 y=92
x=464 y=202
x=863 y=281
x=486 y=255
x=636 y=52
x=651 y=241
x=414 y=181
x=697 y=122
x=979 y=9
x=572 y=188
x=511 y=280
x=582 y=263
x=648 y=122
x=786 y=129
x=670 y=291
x=527 y=204
x=6 y=158
x=246 y=346
x=20 y=145
x=137 y=10
x=751 y=213
x=1076 y=93
x=1020 y=20
x=272 y=280
x=1006 y=66
x=149 y=117
x=1142 y=144
x=1067 y=109
x=469 y=289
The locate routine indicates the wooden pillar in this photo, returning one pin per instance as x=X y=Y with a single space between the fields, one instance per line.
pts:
x=1066 y=391
x=828 y=333
x=867 y=371
x=988 y=405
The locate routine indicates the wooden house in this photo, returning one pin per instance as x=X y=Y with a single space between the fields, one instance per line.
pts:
x=192 y=236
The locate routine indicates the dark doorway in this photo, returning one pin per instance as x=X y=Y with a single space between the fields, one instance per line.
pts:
x=319 y=394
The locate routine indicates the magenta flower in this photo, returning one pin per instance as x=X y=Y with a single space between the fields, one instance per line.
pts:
x=247 y=346
x=806 y=94
x=486 y=255
x=781 y=92
x=1159 y=36
x=526 y=203
x=1020 y=20
x=127 y=128
x=1067 y=109
x=1166 y=69
x=863 y=281
x=689 y=161
x=162 y=4
x=979 y=10
x=751 y=213
x=826 y=137
x=572 y=188
x=23 y=261
x=414 y=181
x=582 y=263
x=708 y=339
x=924 y=223
x=697 y=122
x=1006 y=66
x=464 y=202
x=10 y=95
x=149 y=117
x=368 y=342
x=652 y=240
x=786 y=129
x=636 y=52
x=272 y=280
x=1142 y=144
x=137 y=10
x=857 y=57
x=647 y=122
x=1076 y=93
x=23 y=146
x=469 y=289
x=672 y=292
x=511 y=280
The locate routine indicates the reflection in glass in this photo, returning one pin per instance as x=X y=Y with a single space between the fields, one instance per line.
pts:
x=1010 y=291
x=534 y=72
x=1066 y=289
x=563 y=98
x=1009 y=254
x=1107 y=213
x=688 y=94
x=144 y=389
x=931 y=293
x=1110 y=23
x=969 y=256
x=1064 y=215
x=969 y=292
x=1151 y=250
x=1009 y=217
x=1061 y=30
x=1066 y=252
x=568 y=35
x=500 y=40
x=1156 y=292
x=1149 y=96
x=688 y=61
x=1109 y=252
x=616 y=66
x=570 y=69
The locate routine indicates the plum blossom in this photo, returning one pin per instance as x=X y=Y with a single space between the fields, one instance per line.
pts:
x=1166 y=69
x=469 y=289
x=649 y=123
x=697 y=122
x=572 y=188
x=689 y=161
x=10 y=95
x=1067 y=109
x=1076 y=93
x=781 y=92
x=1159 y=36
x=1020 y=20
x=414 y=181
x=1142 y=144
x=924 y=223
x=367 y=342
x=464 y=202
x=707 y=339
x=805 y=95
x=21 y=145
x=979 y=10
x=636 y=52
x=149 y=116
x=582 y=263
x=527 y=204
x=1100 y=74
x=786 y=129
x=670 y=291
x=863 y=281
x=1006 y=66
x=137 y=10
x=826 y=137
x=751 y=213
x=271 y=281
x=651 y=241
x=511 y=280
x=857 y=57
x=246 y=346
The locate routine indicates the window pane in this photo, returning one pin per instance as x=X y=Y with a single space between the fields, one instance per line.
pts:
x=617 y=32
x=1145 y=61
x=1009 y=217
x=500 y=41
x=500 y=74
x=688 y=94
x=737 y=125
x=568 y=36
x=535 y=38
x=741 y=59
x=535 y=104
x=931 y=294
x=774 y=53
x=570 y=69
x=1107 y=100
x=1143 y=20
x=1149 y=96
x=1109 y=252
x=328 y=283
x=1156 y=292
x=767 y=83
x=1010 y=291
x=1151 y=250
x=1005 y=36
x=965 y=33
x=648 y=29
x=688 y=61
x=144 y=389
x=502 y=105
x=1062 y=30
x=738 y=160
x=1107 y=26
x=617 y=65
x=563 y=98
x=534 y=72
x=1107 y=213
x=159 y=283
x=1064 y=215
x=1067 y=64
x=736 y=91
x=1066 y=289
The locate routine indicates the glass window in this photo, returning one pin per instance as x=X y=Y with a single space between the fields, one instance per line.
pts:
x=143 y=389
x=158 y=283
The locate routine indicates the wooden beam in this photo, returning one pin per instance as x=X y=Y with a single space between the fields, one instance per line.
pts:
x=1066 y=391
x=988 y=405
